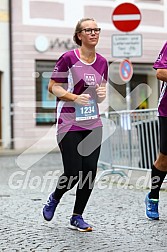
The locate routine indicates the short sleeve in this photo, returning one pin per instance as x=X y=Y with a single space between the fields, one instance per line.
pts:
x=60 y=72
x=106 y=73
x=161 y=61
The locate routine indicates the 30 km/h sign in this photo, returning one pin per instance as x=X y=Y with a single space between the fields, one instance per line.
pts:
x=126 y=17
x=126 y=70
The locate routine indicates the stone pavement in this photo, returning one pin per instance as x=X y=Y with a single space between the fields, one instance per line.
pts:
x=116 y=211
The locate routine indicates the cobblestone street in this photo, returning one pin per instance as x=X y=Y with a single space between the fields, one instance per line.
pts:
x=116 y=213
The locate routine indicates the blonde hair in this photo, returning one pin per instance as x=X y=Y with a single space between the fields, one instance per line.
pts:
x=79 y=28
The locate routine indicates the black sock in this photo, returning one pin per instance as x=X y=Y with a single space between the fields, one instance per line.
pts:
x=157 y=178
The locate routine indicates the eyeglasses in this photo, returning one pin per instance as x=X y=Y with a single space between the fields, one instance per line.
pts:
x=88 y=31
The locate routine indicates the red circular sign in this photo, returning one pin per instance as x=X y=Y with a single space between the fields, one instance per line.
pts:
x=126 y=70
x=126 y=17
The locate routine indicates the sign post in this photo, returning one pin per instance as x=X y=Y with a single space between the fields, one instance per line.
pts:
x=126 y=17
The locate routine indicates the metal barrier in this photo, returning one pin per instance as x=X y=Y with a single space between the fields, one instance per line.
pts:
x=132 y=141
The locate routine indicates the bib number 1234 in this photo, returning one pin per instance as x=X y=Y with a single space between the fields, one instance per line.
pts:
x=86 y=112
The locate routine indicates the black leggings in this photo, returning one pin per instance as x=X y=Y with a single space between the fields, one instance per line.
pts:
x=80 y=152
x=163 y=134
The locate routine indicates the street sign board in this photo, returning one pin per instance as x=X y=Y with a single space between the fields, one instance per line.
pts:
x=126 y=45
x=126 y=70
x=126 y=17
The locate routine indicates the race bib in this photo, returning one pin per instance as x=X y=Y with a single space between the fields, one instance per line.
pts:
x=86 y=112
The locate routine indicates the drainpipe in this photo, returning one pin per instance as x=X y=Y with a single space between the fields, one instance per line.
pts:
x=11 y=73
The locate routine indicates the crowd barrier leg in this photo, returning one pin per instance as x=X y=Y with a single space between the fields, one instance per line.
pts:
x=105 y=159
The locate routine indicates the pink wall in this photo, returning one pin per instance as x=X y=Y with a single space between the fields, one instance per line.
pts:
x=26 y=132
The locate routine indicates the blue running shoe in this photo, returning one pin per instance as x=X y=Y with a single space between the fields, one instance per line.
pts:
x=49 y=208
x=79 y=224
x=151 y=208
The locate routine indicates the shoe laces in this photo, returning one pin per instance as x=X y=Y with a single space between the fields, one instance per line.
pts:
x=79 y=217
x=51 y=203
x=80 y=220
x=154 y=206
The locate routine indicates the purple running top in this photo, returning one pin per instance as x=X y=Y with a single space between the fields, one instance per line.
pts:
x=161 y=62
x=78 y=77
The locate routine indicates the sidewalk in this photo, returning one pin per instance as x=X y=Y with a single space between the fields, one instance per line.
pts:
x=115 y=209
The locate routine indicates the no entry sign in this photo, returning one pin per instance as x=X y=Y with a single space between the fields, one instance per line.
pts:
x=126 y=17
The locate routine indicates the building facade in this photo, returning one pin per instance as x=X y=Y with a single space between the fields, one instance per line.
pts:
x=5 y=95
x=41 y=31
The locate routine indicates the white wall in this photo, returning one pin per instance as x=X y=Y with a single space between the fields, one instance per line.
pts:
x=30 y=21
x=4 y=68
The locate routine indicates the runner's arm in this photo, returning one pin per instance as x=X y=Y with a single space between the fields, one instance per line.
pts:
x=57 y=89
x=161 y=74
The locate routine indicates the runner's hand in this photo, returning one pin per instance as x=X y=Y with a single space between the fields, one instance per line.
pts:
x=101 y=90
x=83 y=99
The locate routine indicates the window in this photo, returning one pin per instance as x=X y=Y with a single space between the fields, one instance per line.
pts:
x=118 y=92
x=45 y=101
